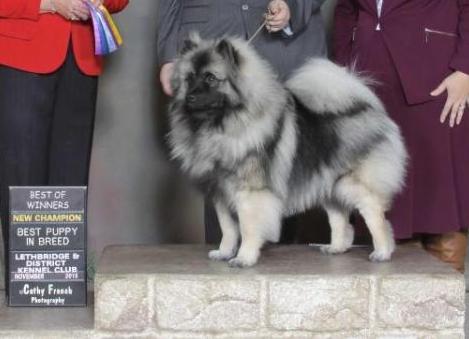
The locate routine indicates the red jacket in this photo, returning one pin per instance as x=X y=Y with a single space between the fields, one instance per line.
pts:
x=427 y=39
x=38 y=43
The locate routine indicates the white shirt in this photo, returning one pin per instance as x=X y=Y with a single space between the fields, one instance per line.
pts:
x=379 y=4
x=288 y=31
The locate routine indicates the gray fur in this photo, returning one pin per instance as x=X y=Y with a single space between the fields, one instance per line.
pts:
x=262 y=150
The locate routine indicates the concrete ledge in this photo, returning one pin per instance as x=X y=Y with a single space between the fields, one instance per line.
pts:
x=294 y=291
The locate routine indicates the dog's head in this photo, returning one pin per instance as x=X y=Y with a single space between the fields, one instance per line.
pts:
x=206 y=78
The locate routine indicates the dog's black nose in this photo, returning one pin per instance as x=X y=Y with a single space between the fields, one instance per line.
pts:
x=191 y=99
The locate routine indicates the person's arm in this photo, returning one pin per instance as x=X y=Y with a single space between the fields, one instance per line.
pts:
x=114 y=6
x=290 y=16
x=169 y=23
x=460 y=60
x=301 y=12
x=456 y=85
x=31 y=9
x=345 y=21
x=20 y=9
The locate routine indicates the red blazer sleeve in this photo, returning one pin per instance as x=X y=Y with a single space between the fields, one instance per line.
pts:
x=345 y=21
x=20 y=9
x=460 y=60
x=115 y=6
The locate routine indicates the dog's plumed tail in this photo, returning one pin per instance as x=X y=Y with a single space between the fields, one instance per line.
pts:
x=343 y=97
x=324 y=87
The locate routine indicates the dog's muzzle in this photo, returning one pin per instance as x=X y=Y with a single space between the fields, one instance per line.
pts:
x=203 y=102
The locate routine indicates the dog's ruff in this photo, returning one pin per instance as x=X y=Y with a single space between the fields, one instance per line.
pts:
x=262 y=150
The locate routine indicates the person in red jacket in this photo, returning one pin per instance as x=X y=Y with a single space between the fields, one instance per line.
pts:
x=48 y=86
x=418 y=51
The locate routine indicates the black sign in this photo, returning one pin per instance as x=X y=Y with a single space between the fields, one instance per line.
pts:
x=47 y=246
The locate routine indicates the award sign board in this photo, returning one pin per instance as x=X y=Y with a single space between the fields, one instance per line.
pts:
x=47 y=246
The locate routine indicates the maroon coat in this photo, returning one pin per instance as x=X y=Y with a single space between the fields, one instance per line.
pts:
x=421 y=35
x=418 y=44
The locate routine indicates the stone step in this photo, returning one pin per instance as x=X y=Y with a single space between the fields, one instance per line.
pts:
x=174 y=291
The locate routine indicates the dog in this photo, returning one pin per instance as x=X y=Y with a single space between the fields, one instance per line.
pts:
x=263 y=150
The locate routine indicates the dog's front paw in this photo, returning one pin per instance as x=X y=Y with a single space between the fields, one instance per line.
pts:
x=329 y=249
x=383 y=252
x=380 y=256
x=219 y=255
x=241 y=262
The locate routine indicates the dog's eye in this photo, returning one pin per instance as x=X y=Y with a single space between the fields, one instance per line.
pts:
x=210 y=78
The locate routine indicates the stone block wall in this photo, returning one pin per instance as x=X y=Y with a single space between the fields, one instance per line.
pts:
x=229 y=304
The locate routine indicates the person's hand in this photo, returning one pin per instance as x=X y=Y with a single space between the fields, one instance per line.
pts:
x=166 y=73
x=72 y=9
x=278 y=17
x=457 y=87
x=47 y=6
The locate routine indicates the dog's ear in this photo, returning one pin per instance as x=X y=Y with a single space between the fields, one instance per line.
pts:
x=191 y=43
x=226 y=49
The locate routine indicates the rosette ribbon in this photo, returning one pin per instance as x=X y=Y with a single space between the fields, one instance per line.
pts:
x=107 y=38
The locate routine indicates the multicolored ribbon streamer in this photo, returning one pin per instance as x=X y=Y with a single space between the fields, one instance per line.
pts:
x=107 y=38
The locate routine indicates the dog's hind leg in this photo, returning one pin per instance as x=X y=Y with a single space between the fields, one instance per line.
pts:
x=341 y=231
x=259 y=214
x=372 y=208
x=230 y=234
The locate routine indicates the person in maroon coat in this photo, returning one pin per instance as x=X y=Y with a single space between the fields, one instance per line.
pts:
x=418 y=53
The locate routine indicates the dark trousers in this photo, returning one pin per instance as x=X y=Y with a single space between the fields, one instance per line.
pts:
x=46 y=129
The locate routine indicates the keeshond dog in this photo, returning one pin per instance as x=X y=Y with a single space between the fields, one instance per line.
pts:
x=262 y=150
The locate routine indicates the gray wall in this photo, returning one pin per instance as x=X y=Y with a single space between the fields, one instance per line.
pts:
x=136 y=196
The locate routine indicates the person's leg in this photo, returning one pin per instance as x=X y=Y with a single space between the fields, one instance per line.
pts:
x=460 y=159
x=26 y=102
x=212 y=226
x=441 y=209
x=72 y=126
